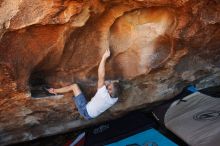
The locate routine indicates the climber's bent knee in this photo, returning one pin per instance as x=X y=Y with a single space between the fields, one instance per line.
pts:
x=76 y=89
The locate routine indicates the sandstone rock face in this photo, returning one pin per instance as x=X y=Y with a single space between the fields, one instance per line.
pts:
x=157 y=48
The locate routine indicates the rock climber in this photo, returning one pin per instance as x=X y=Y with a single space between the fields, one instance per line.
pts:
x=105 y=97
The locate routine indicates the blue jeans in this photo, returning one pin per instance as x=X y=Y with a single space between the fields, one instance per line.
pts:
x=81 y=103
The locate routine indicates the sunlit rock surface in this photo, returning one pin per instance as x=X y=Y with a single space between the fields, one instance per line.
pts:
x=157 y=48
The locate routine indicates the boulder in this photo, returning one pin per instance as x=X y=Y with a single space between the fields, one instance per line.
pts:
x=157 y=48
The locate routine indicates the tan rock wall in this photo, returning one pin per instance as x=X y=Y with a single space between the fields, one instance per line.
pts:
x=158 y=47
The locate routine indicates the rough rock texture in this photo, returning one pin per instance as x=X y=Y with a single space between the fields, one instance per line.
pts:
x=158 y=47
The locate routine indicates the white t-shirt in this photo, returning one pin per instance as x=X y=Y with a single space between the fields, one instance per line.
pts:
x=100 y=102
